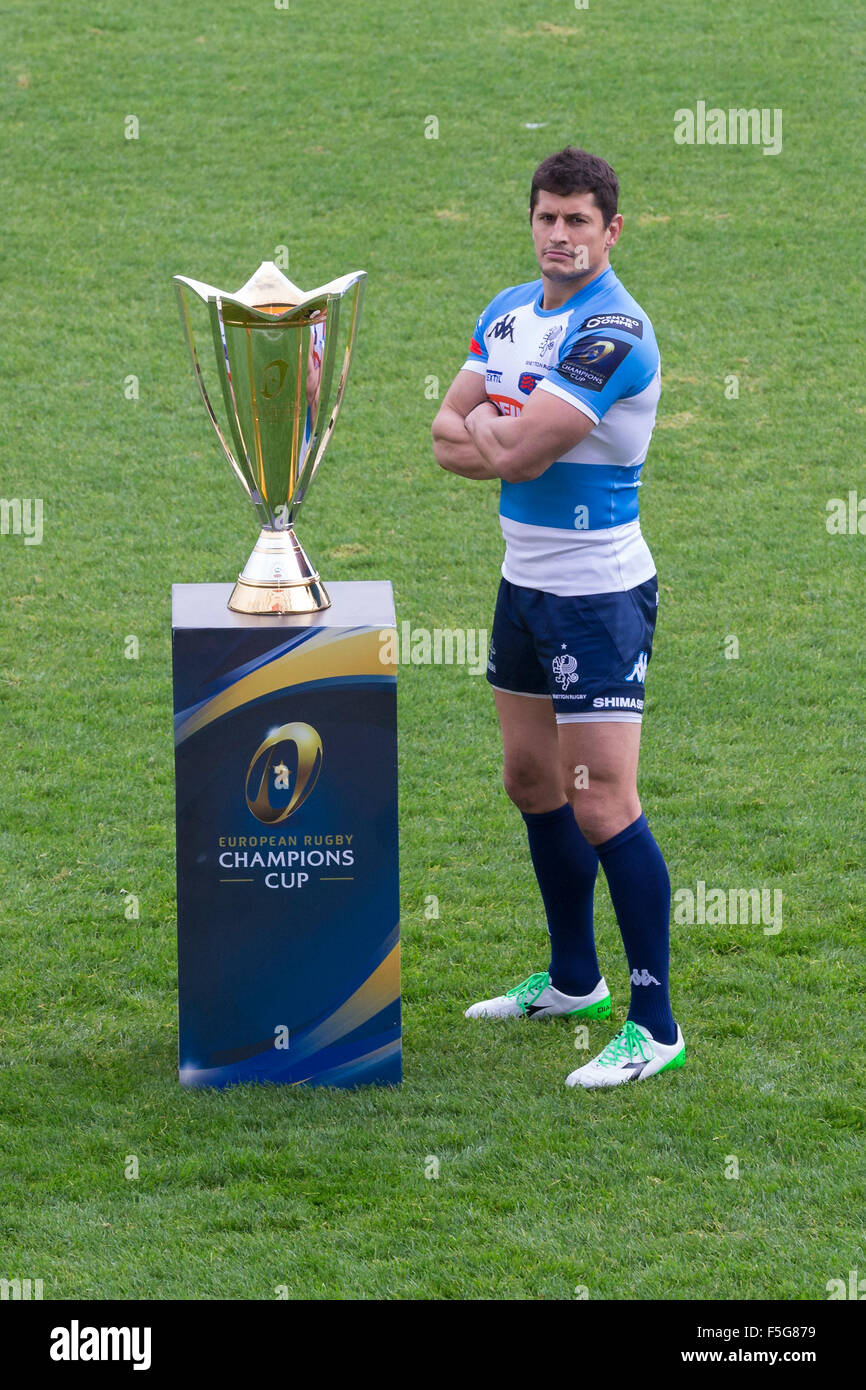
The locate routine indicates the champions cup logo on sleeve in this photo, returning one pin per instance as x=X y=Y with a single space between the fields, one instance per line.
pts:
x=283 y=772
x=592 y=352
x=591 y=362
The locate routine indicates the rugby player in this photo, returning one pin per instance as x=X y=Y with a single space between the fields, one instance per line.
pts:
x=557 y=399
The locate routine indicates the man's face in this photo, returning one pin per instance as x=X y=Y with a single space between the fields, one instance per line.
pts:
x=571 y=240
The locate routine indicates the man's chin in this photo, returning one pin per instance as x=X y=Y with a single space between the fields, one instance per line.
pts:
x=561 y=272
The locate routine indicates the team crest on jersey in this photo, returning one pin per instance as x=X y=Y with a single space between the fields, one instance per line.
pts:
x=550 y=340
x=565 y=670
x=638 y=671
x=527 y=382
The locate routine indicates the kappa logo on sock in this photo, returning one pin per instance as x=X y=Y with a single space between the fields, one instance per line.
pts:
x=643 y=977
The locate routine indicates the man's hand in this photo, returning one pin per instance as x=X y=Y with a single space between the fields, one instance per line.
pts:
x=452 y=444
x=487 y=410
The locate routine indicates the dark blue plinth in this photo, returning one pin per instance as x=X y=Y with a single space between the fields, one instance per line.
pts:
x=288 y=896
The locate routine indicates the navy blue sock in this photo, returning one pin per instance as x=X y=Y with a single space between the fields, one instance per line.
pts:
x=566 y=866
x=640 y=890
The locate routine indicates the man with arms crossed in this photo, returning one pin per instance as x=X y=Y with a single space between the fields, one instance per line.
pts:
x=557 y=399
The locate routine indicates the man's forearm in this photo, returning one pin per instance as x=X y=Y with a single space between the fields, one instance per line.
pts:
x=454 y=449
x=492 y=438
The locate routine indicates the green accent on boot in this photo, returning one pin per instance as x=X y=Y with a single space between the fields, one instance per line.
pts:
x=678 y=1061
x=600 y=1009
x=628 y=1044
x=526 y=993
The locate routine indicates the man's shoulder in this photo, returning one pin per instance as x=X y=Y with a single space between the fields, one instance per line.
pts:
x=617 y=311
x=513 y=297
x=609 y=345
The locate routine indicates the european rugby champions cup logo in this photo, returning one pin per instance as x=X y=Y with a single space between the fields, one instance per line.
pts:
x=283 y=771
x=593 y=352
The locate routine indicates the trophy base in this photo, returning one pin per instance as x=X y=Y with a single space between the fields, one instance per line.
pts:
x=297 y=598
x=279 y=578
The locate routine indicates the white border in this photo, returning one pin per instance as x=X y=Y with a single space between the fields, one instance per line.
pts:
x=598 y=717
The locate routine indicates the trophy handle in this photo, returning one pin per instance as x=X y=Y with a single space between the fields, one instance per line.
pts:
x=354 y=287
x=190 y=337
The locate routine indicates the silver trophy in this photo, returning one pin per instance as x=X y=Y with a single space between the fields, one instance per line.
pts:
x=282 y=357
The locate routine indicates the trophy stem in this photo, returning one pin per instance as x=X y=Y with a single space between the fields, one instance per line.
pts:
x=279 y=578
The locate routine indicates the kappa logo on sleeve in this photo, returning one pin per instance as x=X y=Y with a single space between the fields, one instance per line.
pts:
x=591 y=362
x=623 y=321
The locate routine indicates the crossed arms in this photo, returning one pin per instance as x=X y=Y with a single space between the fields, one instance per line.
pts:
x=471 y=438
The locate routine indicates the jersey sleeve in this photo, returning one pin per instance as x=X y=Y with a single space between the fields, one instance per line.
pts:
x=476 y=360
x=595 y=370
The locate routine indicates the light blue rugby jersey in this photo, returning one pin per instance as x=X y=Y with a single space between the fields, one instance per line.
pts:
x=575 y=529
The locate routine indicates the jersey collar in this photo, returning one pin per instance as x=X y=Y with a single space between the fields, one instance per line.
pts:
x=605 y=281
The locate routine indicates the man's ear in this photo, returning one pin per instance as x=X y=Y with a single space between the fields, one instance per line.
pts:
x=615 y=226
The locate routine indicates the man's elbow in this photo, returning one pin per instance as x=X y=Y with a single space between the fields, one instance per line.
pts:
x=440 y=448
x=442 y=431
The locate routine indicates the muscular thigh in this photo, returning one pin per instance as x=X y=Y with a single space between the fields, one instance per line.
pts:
x=531 y=751
x=598 y=769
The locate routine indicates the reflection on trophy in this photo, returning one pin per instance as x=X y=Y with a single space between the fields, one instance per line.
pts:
x=282 y=358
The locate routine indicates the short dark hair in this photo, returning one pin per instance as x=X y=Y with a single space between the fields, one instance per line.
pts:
x=575 y=171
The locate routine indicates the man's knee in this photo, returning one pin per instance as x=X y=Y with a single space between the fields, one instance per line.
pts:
x=532 y=789
x=603 y=809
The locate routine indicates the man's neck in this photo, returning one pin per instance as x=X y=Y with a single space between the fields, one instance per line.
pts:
x=556 y=293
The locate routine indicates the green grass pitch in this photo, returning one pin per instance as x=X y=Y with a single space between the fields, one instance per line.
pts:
x=305 y=127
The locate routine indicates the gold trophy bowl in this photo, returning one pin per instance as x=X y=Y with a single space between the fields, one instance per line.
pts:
x=282 y=358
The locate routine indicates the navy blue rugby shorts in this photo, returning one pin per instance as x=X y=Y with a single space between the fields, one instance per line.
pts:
x=588 y=652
